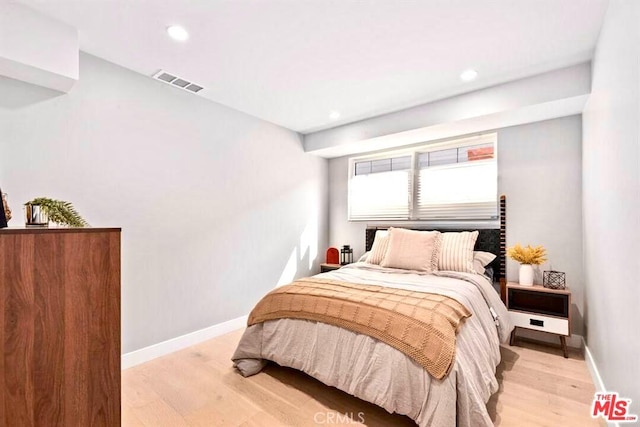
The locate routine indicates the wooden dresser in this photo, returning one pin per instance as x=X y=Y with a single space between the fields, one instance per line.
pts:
x=60 y=327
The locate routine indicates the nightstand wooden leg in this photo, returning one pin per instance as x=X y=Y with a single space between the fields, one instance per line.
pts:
x=512 y=340
x=563 y=341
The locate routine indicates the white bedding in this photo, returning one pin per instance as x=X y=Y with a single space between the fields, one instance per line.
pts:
x=375 y=372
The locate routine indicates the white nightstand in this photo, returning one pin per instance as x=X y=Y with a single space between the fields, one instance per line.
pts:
x=540 y=309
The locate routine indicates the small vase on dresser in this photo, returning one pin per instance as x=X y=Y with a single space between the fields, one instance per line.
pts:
x=526 y=275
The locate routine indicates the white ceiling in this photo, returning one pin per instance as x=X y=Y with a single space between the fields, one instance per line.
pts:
x=292 y=62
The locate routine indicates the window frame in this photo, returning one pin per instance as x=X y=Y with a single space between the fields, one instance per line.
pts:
x=414 y=175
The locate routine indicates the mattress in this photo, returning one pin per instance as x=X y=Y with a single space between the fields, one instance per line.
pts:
x=376 y=372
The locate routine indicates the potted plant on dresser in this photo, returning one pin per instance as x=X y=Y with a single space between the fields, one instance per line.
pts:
x=527 y=256
x=42 y=210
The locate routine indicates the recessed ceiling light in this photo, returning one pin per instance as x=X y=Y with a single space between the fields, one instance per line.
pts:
x=178 y=33
x=468 y=75
x=334 y=115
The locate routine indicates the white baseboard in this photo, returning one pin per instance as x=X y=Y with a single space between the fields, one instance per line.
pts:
x=595 y=376
x=157 y=350
x=593 y=370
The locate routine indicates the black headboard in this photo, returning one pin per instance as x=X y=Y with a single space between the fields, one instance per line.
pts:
x=489 y=240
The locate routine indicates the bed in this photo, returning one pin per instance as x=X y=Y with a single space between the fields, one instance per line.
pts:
x=377 y=371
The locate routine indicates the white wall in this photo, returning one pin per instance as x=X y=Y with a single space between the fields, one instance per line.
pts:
x=549 y=95
x=216 y=206
x=611 y=187
x=539 y=167
x=36 y=48
x=540 y=171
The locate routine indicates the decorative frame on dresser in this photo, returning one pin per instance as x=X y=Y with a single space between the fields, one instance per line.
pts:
x=60 y=327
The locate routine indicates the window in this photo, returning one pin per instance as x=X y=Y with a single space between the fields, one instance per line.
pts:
x=380 y=188
x=453 y=180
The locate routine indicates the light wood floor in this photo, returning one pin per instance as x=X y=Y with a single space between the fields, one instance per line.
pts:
x=198 y=387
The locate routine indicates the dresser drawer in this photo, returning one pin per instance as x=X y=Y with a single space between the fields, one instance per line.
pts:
x=537 y=322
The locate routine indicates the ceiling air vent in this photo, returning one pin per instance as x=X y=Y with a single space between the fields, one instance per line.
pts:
x=177 y=81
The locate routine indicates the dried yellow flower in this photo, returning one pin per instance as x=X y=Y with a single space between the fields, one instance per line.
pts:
x=528 y=254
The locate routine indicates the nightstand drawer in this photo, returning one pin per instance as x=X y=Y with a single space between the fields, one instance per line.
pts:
x=539 y=301
x=540 y=323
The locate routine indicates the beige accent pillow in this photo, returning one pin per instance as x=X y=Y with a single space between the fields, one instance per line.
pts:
x=456 y=252
x=412 y=250
x=379 y=247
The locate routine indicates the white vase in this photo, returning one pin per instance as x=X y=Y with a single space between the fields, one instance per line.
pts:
x=526 y=275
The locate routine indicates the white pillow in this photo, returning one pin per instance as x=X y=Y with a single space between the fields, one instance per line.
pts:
x=379 y=247
x=484 y=257
x=481 y=260
x=478 y=267
x=412 y=250
x=364 y=257
x=456 y=252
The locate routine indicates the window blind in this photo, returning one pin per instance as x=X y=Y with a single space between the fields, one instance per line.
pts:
x=380 y=189
x=460 y=191
x=459 y=182
x=451 y=181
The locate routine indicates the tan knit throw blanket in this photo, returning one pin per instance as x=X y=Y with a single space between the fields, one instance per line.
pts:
x=421 y=325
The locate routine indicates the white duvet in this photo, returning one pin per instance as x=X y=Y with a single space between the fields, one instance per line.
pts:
x=375 y=372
